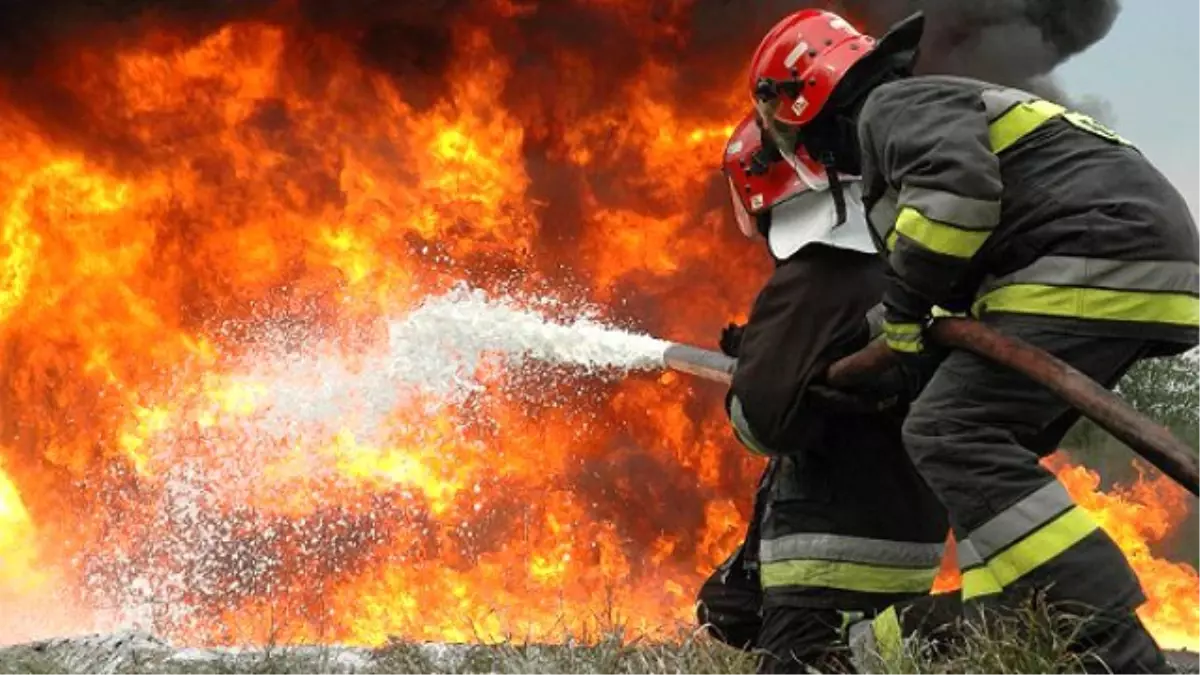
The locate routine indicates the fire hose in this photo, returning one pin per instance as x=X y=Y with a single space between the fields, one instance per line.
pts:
x=1150 y=440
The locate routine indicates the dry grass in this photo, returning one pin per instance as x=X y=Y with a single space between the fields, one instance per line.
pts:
x=610 y=655
x=1034 y=641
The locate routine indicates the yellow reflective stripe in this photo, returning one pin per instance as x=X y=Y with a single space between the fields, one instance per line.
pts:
x=943 y=313
x=902 y=330
x=903 y=337
x=937 y=237
x=1023 y=118
x=906 y=346
x=1042 y=546
x=1045 y=544
x=847 y=576
x=891 y=240
x=979 y=582
x=1018 y=121
x=1178 y=309
x=889 y=638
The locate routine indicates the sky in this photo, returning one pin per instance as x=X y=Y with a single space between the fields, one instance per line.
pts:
x=1147 y=70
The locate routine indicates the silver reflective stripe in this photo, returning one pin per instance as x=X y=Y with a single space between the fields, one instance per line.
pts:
x=883 y=214
x=952 y=209
x=842 y=548
x=1018 y=520
x=860 y=637
x=997 y=101
x=860 y=633
x=742 y=428
x=1170 y=276
x=967 y=556
x=875 y=321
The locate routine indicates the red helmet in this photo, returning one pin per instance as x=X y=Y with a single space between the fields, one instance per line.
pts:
x=795 y=70
x=804 y=57
x=799 y=63
x=759 y=182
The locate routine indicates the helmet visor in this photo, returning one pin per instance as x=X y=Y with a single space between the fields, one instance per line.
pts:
x=786 y=138
x=745 y=222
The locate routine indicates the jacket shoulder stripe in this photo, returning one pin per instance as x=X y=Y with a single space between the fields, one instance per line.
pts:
x=937 y=237
x=946 y=207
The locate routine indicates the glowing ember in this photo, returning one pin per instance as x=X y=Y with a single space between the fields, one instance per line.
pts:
x=230 y=221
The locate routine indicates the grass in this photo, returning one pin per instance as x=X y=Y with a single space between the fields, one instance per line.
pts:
x=692 y=654
x=1031 y=642
x=610 y=655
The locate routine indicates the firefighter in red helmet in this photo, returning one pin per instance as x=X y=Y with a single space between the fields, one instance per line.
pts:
x=843 y=526
x=1037 y=220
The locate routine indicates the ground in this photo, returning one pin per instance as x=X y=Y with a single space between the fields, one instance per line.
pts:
x=142 y=653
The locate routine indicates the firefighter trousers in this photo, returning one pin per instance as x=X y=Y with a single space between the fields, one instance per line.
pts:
x=976 y=434
x=788 y=639
x=793 y=639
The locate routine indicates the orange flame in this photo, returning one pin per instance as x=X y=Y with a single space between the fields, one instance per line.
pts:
x=1137 y=517
x=225 y=203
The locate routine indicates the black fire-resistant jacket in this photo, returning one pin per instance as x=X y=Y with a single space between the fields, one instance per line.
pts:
x=846 y=521
x=990 y=198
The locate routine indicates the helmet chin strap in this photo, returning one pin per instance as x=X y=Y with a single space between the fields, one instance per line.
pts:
x=837 y=150
x=835 y=191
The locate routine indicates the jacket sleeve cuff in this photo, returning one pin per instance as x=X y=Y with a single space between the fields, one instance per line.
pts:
x=741 y=427
x=904 y=337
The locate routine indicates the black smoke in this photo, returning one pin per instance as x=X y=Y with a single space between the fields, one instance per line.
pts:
x=1016 y=43
x=1007 y=41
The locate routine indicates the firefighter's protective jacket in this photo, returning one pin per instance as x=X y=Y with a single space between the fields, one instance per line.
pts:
x=991 y=199
x=846 y=521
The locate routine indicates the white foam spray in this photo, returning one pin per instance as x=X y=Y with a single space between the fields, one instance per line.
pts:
x=447 y=337
x=434 y=354
x=277 y=421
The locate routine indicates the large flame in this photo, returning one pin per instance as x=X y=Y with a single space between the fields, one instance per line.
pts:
x=1138 y=517
x=215 y=205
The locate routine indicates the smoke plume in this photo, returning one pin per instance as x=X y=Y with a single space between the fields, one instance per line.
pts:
x=1017 y=43
x=1013 y=42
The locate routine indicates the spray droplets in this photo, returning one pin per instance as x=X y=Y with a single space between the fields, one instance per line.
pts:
x=299 y=460
x=448 y=337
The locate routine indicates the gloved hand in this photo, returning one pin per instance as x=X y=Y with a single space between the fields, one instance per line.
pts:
x=907 y=336
x=842 y=402
x=912 y=372
x=918 y=359
x=905 y=317
x=731 y=339
x=888 y=392
x=907 y=313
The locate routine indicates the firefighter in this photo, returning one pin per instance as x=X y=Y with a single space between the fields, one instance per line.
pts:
x=1040 y=222
x=843 y=526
